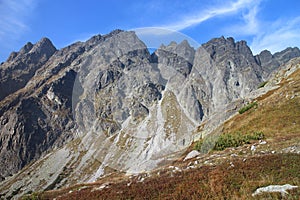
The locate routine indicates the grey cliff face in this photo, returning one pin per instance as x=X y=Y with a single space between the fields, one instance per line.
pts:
x=108 y=104
x=38 y=116
x=229 y=71
x=20 y=67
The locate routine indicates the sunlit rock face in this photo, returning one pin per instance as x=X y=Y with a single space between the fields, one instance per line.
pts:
x=108 y=104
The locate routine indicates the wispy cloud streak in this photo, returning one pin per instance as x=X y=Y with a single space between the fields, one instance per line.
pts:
x=205 y=15
x=13 y=16
x=277 y=36
x=273 y=35
x=250 y=24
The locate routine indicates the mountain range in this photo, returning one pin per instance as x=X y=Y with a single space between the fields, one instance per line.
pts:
x=77 y=114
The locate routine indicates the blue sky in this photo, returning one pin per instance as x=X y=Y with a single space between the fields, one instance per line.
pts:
x=264 y=24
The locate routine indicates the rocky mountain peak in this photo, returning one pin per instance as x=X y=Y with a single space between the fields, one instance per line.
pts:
x=44 y=48
x=99 y=38
x=172 y=44
x=93 y=40
x=287 y=54
x=222 y=45
x=220 y=41
x=26 y=48
x=115 y=32
x=176 y=56
x=44 y=43
x=219 y=46
x=243 y=48
x=185 y=50
x=21 y=66
x=185 y=45
x=182 y=50
x=270 y=62
x=226 y=49
x=264 y=57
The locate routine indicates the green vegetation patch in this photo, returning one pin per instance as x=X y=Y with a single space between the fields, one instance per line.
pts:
x=248 y=107
x=227 y=140
x=32 y=196
x=261 y=85
x=236 y=139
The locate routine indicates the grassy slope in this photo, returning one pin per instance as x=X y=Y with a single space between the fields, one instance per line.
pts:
x=206 y=182
x=277 y=115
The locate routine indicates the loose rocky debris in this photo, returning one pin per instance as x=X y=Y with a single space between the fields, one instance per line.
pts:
x=100 y=187
x=192 y=154
x=275 y=188
x=292 y=149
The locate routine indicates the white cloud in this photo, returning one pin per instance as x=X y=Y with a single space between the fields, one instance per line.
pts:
x=207 y=14
x=252 y=24
x=249 y=25
x=278 y=36
x=13 y=17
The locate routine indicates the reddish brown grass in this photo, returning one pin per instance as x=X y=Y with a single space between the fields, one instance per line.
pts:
x=206 y=182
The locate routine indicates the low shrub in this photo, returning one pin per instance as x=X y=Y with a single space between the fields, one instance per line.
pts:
x=207 y=144
x=33 y=196
x=198 y=145
x=236 y=139
x=248 y=107
x=226 y=140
